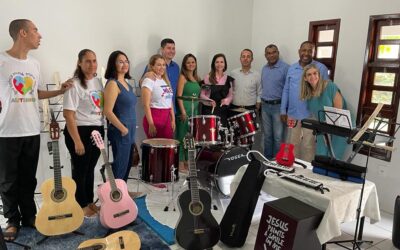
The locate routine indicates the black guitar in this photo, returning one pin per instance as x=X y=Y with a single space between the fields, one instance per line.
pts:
x=196 y=228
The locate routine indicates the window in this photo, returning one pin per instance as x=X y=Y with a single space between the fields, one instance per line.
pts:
x=380 y=78
x=325 y=35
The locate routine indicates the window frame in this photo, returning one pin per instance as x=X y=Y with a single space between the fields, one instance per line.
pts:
x=371 y=65
x=313 y=32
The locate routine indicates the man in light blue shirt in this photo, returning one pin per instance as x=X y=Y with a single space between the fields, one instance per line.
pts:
x=272 y=81
x=294 y=109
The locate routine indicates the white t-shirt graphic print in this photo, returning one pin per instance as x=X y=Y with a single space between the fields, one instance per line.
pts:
x=161 y=93
x=19 y=83
x=87 y=103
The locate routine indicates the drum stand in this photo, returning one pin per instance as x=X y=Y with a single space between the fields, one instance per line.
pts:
x=173 y=195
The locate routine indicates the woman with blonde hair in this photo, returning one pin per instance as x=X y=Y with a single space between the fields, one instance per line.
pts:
x=159 y=119
x=319 y=93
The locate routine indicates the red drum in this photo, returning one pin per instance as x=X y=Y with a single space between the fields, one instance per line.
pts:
x=217 y=166
x=160 y=160
x=244 y=124
x=206 y=129
x=245 y=141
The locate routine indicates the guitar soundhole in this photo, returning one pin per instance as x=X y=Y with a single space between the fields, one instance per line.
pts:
x=116 y=195
x=196 y=208
x=58 y=195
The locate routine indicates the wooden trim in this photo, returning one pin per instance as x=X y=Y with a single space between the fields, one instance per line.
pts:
x=316 y=26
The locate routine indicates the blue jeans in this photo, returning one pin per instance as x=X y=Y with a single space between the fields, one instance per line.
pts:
x=273 y=129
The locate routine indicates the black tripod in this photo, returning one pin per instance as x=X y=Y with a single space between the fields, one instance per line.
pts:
x=366 y=139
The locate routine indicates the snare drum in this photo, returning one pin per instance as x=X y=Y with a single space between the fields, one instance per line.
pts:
x=219 y=165
x=206 y=129
x=160 y=160
x=244 y=124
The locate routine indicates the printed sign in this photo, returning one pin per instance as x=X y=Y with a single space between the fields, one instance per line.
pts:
x=276 y=230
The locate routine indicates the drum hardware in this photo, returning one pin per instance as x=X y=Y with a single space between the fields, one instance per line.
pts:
x=172 y=173
x=193 y=99
x=218 y=165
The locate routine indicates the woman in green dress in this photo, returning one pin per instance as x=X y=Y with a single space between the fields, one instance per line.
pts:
x=188 y=85
x=319 y=93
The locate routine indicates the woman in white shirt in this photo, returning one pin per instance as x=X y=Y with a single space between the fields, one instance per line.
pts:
x=159 y=119
x=83 y=112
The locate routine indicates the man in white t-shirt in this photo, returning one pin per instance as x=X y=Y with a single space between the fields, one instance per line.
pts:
x=20 y=91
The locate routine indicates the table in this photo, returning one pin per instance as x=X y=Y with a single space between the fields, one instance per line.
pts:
x=340 y=204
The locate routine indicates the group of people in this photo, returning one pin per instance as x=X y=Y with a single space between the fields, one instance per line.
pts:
x=293 y=93
x=281 y=92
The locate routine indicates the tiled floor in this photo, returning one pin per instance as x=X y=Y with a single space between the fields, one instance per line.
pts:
x=380 y=233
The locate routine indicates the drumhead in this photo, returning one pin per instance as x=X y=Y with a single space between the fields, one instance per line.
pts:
x=205 y=116
x=241 y=114
x=220 y=165
x=161 y=143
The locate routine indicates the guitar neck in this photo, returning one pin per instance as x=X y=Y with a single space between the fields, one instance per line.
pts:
x=56 y=166
x=194 y=189
x=110 y=174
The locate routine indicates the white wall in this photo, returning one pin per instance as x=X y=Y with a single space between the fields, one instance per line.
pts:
x=286 y=24
x=201 y=27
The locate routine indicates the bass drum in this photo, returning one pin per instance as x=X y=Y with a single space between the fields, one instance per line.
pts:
x=217 y=166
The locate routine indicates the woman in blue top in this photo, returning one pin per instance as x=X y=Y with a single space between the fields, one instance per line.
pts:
x=119 y=109
x=319 y=93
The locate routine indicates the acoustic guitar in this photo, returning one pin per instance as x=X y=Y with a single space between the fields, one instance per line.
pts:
x=60 y=213
x=285 y=156
x=117 y=208
x=196 y=228
x=127 y=240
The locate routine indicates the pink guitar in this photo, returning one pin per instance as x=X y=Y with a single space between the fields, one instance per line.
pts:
x=117 y=207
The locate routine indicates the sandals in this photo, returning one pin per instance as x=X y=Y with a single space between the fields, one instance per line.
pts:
x=89 y=212
x=12 y=234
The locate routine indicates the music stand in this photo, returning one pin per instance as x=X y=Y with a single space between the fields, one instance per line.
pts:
x=360 y=139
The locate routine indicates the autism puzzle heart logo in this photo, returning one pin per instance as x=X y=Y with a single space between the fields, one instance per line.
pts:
x=97 y=99
x=23 y=84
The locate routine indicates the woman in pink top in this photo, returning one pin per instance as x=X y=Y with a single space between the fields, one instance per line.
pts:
x=217 y=87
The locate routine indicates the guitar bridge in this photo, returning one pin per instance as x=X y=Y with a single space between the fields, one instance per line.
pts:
x=59 y=217
x=121 y=242
x=199 y=231
x=121 y=213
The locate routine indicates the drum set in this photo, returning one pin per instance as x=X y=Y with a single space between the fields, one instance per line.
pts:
x=221 y=151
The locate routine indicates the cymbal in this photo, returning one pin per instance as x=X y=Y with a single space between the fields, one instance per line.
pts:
x=240 y=110
x=193 y=98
